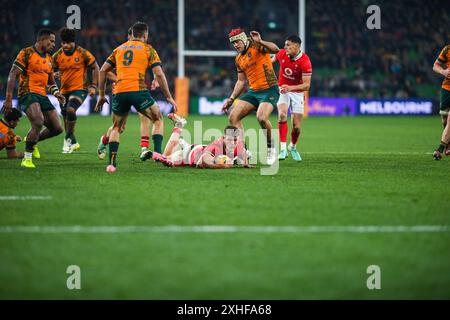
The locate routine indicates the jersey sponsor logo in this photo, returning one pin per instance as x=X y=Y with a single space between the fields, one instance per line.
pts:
x=132 y=47
x=288 y=71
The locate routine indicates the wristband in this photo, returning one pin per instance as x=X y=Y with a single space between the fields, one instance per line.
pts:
x=53 y=89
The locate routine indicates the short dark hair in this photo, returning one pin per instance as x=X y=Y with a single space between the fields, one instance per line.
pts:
x=231 y=130
x=130 y=31
x=139 y=28
x=67 y=35
x=295 y=39
x=13 y=115
x=44 y=33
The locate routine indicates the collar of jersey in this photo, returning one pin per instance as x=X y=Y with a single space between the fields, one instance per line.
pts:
x=136 y=40
x=246 y=49
x=43 y=55
x=298 y=56
x=71 y=53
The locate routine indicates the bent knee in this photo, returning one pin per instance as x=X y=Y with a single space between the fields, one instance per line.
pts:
x=282 y=115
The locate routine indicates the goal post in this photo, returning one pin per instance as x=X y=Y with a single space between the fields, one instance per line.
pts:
x=182 y=82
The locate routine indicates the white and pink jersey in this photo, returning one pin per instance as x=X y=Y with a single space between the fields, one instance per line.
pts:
x=293 y=70
x=217 y=147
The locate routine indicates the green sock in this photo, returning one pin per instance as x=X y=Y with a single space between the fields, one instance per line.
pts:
x=157 y=142
x=113 y=148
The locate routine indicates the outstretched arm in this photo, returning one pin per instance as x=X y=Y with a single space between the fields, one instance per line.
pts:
x=269 y=46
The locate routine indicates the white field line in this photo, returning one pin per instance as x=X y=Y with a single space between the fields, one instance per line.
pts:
x=331 y=152
x=369 y=153
x=373 y=152
x=20 y=198
x=226 y=229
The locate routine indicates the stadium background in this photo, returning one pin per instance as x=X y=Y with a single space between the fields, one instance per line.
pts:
x=348 y=59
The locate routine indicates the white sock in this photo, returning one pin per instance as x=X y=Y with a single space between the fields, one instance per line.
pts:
x=291 y=146
x=28 y=155
x=283 y=145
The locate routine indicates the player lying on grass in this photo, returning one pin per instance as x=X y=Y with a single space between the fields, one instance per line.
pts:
x=222 y=153
x=8 y=138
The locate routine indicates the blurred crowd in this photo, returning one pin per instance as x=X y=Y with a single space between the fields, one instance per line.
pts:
x=395 y=61
x=348 y=59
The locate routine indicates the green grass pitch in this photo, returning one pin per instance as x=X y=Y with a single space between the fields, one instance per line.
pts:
x=362 y=171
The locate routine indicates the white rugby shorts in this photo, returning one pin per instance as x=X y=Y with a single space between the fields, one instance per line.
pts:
x=294 y=100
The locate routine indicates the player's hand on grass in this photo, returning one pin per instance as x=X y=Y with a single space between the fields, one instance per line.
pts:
x=256 y=37
x=248 y=166
x=7 y=106
x=173 y=103
x=99 y=105
x=57 y=75
x=227 y=105
x=91 y=91
x=154 y=85
x=61 y=98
